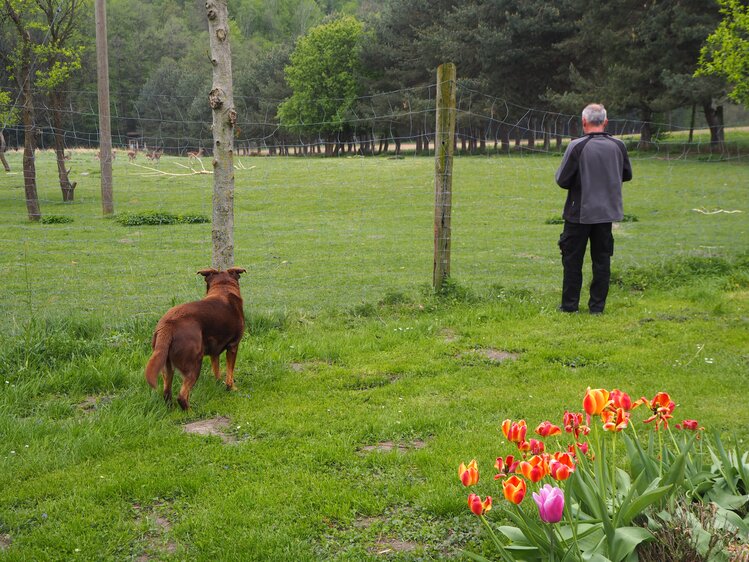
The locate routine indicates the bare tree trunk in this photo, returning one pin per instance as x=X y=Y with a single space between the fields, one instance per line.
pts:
x=68 y=188
x=29 y=147
x=24 y=79
x=221 y=100
x=2 y=152
x=714 y=118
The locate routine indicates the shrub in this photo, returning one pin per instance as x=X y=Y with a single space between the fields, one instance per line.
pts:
x=158 y=218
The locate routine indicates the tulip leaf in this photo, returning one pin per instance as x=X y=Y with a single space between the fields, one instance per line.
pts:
x=638 y=505
x=515 y=535
x=675 y=474
x=476 y=557
x=626 y=540
x=726 y=499
x=731 y=521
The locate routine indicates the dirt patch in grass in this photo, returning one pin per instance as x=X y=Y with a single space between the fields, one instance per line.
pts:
x=5 y=541
x=385 y=546
x=217 y=426
x=157 y=544
x=92 y=403
x=388 y=446
x=449 y=335
x=492 y=355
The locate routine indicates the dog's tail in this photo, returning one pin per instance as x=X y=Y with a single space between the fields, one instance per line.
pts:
x=162 y=340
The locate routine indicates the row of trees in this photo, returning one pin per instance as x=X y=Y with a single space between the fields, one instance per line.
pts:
x=323 y=72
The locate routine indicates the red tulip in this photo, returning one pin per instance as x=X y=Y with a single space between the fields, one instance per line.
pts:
x=558 y=470
x=573 y=423
x=505 y=466
x=469 y=475
x=621 y=400
x=514 y=489
x=536 y=447
x=477 y=506
x=691 y=425
x=547 y=429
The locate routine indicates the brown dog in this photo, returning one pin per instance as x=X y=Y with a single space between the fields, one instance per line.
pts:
x=188 y=332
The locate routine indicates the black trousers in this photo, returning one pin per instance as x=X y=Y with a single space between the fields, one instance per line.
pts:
x=573 y=243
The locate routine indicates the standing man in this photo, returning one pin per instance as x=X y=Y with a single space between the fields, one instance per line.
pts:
x=592 y=170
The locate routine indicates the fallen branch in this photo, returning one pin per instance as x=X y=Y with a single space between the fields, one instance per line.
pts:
x=716 y=211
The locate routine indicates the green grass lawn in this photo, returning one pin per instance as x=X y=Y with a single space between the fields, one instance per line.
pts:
x=359 y=392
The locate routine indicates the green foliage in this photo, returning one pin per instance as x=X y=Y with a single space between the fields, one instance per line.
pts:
x=726 y=52
x=8 y=111
x=56 y=219
x=678 y=271
x=324 y=77
x=158 y=218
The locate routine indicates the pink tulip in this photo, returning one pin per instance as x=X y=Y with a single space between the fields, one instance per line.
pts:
x=550 y=502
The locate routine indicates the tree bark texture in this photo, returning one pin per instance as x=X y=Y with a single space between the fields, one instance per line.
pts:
x=6 y=166
x=67 y=187
x=24 y=79
x=221 y=100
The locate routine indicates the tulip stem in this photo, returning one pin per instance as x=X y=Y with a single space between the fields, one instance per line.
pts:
x=496 y=540
x=613 y=475
x=552 y=543
x=573 y=524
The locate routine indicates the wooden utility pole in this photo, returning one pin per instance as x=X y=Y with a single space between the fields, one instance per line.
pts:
x=221 y=100
x=105 y=128
x=444 y=148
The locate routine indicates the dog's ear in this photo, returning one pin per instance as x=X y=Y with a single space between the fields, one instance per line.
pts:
x=236 y=272
x=207 y=272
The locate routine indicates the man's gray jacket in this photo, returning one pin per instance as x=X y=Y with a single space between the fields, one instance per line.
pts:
x=592 y=170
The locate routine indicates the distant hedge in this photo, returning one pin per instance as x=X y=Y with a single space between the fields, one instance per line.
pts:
x=158 y=218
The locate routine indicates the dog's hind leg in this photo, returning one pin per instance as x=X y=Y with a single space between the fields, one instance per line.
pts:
x=215 y=367
x=188 y=381
x=168 y=377
x=231 y=359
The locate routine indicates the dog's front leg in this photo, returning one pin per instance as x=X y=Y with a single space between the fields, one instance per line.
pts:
x=215 y=367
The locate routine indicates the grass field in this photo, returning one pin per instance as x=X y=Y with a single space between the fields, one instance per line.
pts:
x=360 y=392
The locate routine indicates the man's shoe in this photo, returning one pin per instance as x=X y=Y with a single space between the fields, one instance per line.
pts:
x=567 y=310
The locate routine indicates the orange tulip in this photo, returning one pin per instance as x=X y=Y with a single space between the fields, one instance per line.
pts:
x=595 y=401
x=514 y=489
x=469 y=475
x=662 y=408
x=547 y=429
x=477 y=506
x=566 y=458
x=514 y=432
x=534 y=468
x=616 y=420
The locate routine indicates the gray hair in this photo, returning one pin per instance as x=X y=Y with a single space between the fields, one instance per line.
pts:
x=595 y=114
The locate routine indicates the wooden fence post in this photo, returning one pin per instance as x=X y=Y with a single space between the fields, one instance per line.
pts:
x=105 y=127
x=443 y=168
x=221 y=100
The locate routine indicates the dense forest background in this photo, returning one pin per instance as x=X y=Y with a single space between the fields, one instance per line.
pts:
x=337 y=71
